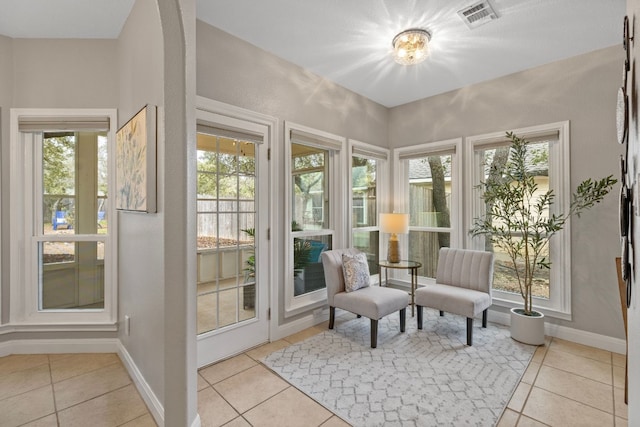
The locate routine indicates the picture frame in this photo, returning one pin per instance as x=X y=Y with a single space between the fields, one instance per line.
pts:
x=136 y=163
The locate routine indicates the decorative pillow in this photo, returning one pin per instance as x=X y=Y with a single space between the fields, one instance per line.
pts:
x=356 y=271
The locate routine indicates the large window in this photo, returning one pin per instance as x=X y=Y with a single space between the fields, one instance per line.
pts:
x=369 y=166
x=430 y=187
x=547 y=162
x=69 y=239
x=62 y=219
x=315 y=206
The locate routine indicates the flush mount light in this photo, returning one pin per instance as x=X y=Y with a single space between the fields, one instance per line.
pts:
x=411 y=46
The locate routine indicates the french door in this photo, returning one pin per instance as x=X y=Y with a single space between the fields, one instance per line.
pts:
x=232 y=237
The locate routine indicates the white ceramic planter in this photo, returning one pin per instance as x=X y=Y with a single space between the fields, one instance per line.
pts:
x=527 y=329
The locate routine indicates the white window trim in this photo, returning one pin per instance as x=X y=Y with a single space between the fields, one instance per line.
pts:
x=24 y=306
x=383 y=175
x=214 y=113
x=401 y=195
x=294 y=305
x=559 y=303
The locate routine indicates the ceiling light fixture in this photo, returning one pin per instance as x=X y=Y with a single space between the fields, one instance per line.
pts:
x=411 y=46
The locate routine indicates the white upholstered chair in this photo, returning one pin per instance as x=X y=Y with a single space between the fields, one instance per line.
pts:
x=373 y=302
x=463 y=286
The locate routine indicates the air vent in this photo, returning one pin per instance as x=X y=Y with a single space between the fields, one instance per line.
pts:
x=477 y=14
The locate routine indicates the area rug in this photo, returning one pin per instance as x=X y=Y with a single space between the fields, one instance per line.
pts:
x=423 y=377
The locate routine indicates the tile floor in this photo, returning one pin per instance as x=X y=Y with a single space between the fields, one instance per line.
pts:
x=566 y=384
x=49 y=390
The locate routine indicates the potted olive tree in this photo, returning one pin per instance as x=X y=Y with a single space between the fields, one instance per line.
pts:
x=519 y=221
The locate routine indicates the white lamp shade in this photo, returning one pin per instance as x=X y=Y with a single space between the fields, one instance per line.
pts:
x=394 y=223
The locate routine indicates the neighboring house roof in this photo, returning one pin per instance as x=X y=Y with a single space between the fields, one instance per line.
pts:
x=419 y=169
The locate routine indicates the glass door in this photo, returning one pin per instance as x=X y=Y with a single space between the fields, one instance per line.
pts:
x=232 y=292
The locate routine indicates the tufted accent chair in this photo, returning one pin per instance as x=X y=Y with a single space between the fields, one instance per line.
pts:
x=373 y=302
x=463 y=286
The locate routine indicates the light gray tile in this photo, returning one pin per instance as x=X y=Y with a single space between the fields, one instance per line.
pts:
x=250 y=388
x=288 y=408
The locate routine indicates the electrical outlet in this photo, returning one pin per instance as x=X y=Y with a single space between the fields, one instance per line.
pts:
x=127 y=325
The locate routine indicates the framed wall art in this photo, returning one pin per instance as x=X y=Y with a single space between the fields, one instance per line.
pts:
x=136 y=162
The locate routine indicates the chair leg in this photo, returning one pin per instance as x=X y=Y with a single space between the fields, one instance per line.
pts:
x=374 y=333
x=419 y=309
x=469 y=330
x=441 y=313
x=403 y=319
x=484 y=318
x=332 y=316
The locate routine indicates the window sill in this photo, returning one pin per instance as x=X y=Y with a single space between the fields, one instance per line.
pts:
x=550 y=312
x=61 y=327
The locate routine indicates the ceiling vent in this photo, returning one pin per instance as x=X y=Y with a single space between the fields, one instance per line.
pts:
x=477 y=14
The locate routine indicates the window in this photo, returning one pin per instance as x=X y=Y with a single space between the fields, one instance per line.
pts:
x=429 y=186
x=70 y=269
x=62 y=217
x=369 y=170
x=315 y=206
x=548 y=163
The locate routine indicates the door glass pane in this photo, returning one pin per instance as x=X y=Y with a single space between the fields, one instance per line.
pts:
x=74 y=203
x=226 y=203
x=494 y=161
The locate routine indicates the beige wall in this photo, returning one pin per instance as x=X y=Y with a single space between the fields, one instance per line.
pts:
x=233 y=71
x=65 y=73
x=157 y=256
x=582 y=90
x=141 y=237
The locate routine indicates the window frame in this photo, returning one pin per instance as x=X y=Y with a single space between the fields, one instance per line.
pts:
x=24 y=300
x=336 y=169
x=559 y=303
x=401 y=194
x=361 y=149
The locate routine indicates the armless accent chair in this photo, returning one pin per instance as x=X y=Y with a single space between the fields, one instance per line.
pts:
x=463 y=286
x=373 y=302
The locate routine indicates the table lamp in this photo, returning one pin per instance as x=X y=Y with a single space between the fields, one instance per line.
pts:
x=394 y=223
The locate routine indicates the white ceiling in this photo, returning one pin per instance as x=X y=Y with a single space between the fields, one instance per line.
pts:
x=349 y=41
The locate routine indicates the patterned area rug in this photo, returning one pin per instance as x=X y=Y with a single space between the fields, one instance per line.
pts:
x=418 y=378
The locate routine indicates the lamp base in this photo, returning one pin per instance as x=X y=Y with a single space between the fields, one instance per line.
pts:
x=393 y=253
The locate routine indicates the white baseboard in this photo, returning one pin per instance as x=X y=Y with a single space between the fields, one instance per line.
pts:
x=51 y=346
x=152 y=401
x=591 y=339
x=301 y=324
